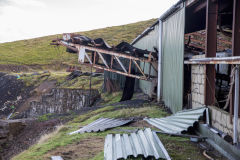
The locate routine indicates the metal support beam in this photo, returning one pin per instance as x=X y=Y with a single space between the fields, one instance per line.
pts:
x=130 y=66
x=115 y=58
x=214 y=60
x=200 y=6
x=122 y=73
x=89 y=59
x=236 y=107
x=236 y=29
x=122 y=55
x=211 y=48
x=105 y=63
x=139 y=68
x=124 y=69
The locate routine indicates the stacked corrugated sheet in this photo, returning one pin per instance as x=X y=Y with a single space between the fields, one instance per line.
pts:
x=178 y=122
x=102 y=124
x=143 y=143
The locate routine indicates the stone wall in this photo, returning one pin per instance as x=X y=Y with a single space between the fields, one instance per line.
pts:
x=221 y=120
x=61 y=101
x=198 y=84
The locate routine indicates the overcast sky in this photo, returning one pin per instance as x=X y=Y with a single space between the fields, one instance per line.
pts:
x=23 y=19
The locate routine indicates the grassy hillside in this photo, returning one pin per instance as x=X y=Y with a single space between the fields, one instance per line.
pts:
x=38 y=51
x=91 y=145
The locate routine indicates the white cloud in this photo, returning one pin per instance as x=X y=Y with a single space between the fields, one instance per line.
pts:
x=22 y=3
x=21 y=19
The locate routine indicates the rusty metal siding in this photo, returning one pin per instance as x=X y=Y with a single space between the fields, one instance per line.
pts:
x=148 y=42
x=173 y=60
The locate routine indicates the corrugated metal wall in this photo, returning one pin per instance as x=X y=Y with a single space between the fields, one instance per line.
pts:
x=172 y=60
x=148 y=42
x=120 y=79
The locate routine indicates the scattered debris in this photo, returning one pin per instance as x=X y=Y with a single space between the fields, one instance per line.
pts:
x=179 y=122
x=101 y=124
x=192 y=137
x=143 y=143
x=56 y=158
x=100 y=55
x=207 y=156
x=100 y=43
x=78 y=73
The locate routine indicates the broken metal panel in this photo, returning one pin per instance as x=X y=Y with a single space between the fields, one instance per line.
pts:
x=101 y=124
x=179 y=122
x=148 y=42
x=81 y=55
x=142 y=143
x=56 y=158
x=172 y=60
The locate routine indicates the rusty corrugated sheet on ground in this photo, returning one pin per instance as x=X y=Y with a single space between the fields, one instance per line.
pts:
x=142 y=143
x=101 y=124
x=178 y=122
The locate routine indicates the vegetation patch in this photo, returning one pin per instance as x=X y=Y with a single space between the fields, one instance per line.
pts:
x=38 y=51
x=44 y=117
x=110 y=98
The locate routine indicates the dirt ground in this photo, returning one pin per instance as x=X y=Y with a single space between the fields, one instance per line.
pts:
x=141 y=124
x=30 y=135
x=84 y=149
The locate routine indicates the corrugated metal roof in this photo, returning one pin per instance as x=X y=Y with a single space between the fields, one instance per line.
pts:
x=178 y=122
x=101 y=124
x=143 y=143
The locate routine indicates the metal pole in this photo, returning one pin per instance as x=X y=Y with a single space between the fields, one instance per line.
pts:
x=90 y=87
x=159 y=62
x=236 y=106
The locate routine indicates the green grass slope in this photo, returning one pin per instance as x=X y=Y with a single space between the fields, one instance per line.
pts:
x=38 y=51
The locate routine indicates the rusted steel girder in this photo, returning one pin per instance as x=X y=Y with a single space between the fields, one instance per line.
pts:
x=112 y=53
x=120 y=72
x=211 y=49
x=116 y=56
x=214 y=60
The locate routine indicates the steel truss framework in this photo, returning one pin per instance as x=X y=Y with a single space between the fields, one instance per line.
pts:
x=115 y=58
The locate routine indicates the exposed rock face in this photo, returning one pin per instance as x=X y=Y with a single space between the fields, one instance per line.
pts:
x=11 y=91
x=61 y=101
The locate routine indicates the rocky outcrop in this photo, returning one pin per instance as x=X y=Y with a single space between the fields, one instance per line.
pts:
x=61 y=100
x=11 y=91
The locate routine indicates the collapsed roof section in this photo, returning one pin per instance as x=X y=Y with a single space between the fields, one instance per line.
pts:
x=98 y=54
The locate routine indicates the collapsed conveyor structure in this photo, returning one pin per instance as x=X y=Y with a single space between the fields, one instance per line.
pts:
x=120 y=59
